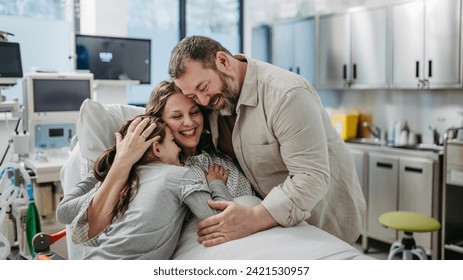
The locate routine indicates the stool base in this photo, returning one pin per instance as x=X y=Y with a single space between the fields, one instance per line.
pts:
x=408 y=248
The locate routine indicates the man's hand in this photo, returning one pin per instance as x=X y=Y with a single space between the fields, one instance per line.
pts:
x=236 y=221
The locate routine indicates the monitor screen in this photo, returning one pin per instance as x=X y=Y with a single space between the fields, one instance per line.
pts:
x=59 y=95
x=112 y=58
x=10 y=60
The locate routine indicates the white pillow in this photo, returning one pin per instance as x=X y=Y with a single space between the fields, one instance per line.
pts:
x=97 y=124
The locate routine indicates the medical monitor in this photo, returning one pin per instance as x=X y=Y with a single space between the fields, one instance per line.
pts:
x=114 y=58
x=10 y=63
x=56 y=97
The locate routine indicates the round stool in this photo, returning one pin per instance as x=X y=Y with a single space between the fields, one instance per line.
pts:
x=408 y=222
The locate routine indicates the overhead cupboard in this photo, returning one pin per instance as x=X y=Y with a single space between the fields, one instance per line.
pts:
x=293 y=46
x=426 y=44
x=409 y=44
x=352 y=50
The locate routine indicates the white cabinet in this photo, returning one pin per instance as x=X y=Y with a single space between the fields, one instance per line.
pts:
x=293 y=47
x=352 y=50
x=426 y=44
x=416 y=192
x=383 y=189
x=401 y=183
x=360 y=158
x=452 y=198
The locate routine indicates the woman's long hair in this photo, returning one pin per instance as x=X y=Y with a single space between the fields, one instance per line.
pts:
x=105 y=161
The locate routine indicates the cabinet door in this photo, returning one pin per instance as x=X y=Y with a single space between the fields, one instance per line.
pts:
x=426 y=44
x=369 y=48
x=442 y=42
x=383 y=183
x=408 y=40
x=360 y=159
x=261 y=43
x=333 y=51
x=304 y=49
x=416 y=191
x=282 y=45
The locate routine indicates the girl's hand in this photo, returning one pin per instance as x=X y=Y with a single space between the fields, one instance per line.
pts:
x=130 y=149
x=216 y=171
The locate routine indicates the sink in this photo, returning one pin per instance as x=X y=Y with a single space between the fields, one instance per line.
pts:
x=367 y=141
x=422 y=147
x=379 y=143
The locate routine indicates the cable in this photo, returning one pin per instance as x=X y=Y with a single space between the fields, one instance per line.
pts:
x=6 y=152
x=9 y=141
x=21 y=196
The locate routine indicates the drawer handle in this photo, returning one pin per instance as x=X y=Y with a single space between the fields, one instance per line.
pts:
x=413 y=169
x=384 y=165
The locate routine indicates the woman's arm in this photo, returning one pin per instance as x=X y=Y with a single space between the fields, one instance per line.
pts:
x=128 y=151
x=71 y=203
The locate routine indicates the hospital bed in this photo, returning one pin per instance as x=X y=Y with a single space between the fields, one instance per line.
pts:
x=96 y=126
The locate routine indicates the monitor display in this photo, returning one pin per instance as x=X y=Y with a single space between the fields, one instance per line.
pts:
x=10 y=60
x=59 y=95
x=112 y=58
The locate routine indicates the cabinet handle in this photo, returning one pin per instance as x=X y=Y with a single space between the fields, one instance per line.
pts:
x=297 y=70
x=344 y=72
x=355 y=71
x=384 y=165
x=291 y=69
x=413 y=169
x=430 y=69
x=417 y=69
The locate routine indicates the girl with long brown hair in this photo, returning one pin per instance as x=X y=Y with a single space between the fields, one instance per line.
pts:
x=159 y=192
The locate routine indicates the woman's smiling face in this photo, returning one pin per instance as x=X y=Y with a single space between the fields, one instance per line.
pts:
x=185 y=120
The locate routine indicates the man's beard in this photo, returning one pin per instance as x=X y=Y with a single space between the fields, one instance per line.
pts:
x=229 y=95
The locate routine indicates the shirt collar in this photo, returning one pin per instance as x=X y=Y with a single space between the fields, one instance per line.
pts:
x=248 y=94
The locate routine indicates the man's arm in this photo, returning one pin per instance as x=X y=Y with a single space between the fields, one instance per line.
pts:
x=299 y=128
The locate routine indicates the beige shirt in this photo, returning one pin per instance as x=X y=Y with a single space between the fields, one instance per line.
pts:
x=292 y=155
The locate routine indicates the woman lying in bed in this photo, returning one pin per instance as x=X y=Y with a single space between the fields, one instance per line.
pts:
x=185 y=120
x=157 y=186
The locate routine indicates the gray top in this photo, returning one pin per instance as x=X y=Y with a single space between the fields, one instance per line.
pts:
x=151 y=226
x=237 y=185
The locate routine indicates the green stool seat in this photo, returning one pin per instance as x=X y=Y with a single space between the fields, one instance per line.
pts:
x=408 y=222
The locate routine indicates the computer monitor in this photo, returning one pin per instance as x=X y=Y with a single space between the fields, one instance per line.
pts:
x=10 y=63
x=56 y=97
x=114 y=58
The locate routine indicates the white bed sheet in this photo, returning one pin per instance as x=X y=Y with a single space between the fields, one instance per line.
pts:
x=301 y=242
x=295 y=243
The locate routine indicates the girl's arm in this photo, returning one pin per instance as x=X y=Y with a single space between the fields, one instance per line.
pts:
x=71 y=203
x=217 y=178
x=195 y=193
